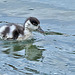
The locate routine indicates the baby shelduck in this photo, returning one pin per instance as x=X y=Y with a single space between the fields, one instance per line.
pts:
x=18 y=32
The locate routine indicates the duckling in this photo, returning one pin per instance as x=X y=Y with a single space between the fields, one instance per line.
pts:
x=19 y=32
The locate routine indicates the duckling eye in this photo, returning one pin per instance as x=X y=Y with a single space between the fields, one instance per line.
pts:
x=35 y=24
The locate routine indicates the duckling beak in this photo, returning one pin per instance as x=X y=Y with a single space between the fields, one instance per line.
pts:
x=40 y=30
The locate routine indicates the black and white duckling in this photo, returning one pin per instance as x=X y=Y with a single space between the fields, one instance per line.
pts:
x=18 y=32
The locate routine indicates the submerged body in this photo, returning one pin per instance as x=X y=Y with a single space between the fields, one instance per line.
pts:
x=17 y=32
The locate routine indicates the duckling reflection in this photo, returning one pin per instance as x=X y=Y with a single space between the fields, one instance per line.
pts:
x=23 y=50
x=33 y=53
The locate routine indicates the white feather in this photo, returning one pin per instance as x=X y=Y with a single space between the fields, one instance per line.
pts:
x=2 y=28
x=10 y=34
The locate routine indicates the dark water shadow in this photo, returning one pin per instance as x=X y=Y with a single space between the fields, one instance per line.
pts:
x=4 y=22
x=22 y=49
x=52 y=33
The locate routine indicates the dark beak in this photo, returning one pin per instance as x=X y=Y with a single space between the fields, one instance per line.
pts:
x=40 y=30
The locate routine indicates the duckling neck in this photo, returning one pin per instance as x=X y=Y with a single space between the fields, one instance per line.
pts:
x=27 y=33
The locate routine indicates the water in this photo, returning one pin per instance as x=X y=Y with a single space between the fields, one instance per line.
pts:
x=50 y=54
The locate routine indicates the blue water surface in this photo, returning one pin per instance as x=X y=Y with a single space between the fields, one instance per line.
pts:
x=50 y=54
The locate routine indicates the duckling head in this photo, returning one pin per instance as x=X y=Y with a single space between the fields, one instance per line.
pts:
x=32 y=24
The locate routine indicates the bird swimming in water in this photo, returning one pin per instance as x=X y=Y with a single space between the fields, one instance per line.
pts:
x=18 y=32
